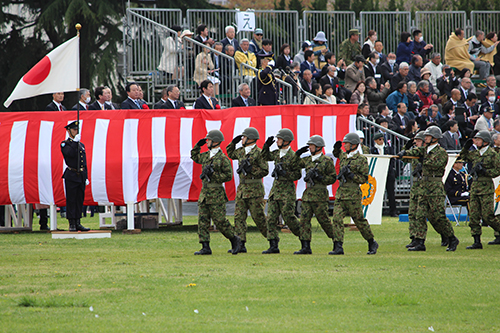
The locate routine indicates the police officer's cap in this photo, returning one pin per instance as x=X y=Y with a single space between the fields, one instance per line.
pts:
x=485 y=135
x=73 y=125
x=434 y=131
x=215 y=136
x=377 y=136
x=316 y=140
x=352 y=138
x=420 y=135
x=488 y=109
x=459 y=160
x=266 y=56
x=251 y=133
x=285 y=134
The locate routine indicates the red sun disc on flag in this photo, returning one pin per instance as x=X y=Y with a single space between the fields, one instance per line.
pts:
x=38 y=73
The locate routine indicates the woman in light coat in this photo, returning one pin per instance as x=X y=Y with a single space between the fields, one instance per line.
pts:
x=205 y=66
x=169 y=61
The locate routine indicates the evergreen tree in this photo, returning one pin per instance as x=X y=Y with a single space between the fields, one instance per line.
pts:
x=296 y=5
x=392 y=6
x=358 y=5
x=342 y=5
x=319 y=4
x=376 y=6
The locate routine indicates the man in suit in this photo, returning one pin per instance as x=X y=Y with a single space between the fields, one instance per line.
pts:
x=485 y=122
x=84 y=100
x=230 y=40
x=100 y=100
x=401 y=75
x=490 y=102
x=389 y=68
x=132 y=101
x=244 y=98
x=450 y=139
x=109 y=99
x=355 y=73
x=372 y=68
x=307 y=80
x=491 y=83
x=447 y=82
x=452 y=103
x=308 y=64
x=381 y=148
x=170 y=99
x=56 y=105
x=465 y=89
x=401 y=119
x=379 y=46
x=206 y=101
x=266 y=51
x=331 y=78
x=217 y=59
x=227 y=70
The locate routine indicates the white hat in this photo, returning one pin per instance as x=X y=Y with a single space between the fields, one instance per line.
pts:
x=186 y=33
x=320 y=37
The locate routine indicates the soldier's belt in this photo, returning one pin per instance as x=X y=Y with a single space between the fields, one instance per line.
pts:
x=350 y=184
x=210 y=185
x=250 y=181
x=431 y=178
x=483 y=179
x=320 y=186
x=76 y=170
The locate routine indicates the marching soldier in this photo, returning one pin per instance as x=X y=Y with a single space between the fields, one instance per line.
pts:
x=212 y=200
x=430 y=205
x=266 y=84
x=75 y=176
x=250 y=192
x=353 y=172
x=485 y=166
x=320 y=172
x=282 y=196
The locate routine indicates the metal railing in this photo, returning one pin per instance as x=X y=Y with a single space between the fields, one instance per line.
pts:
x=486 y=21
x=163 y=16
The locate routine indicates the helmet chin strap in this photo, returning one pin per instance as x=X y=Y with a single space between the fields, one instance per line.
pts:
x=248 y=143
x=316 y=149
x=212 y=145
x=284 y=145
x=352 y=149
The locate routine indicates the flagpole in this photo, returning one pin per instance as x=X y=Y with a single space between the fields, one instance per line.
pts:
x=78 y=26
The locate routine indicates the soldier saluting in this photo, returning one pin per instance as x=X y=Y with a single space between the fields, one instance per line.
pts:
x=250 y=192
x=266 y=84
x=320 y=172
x=212 y=200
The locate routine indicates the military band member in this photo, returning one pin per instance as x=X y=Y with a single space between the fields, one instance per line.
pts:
x=430 y=205
x=212 y=200
x=250 y=192
x=75 y=176
x=282 y=196
x=266 y=84
x=353 y=172
x=485 y=166
x=320 y=172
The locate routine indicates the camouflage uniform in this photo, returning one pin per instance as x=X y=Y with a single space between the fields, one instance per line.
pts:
x=365 y=149
x=213 y=198
x=250 y=192
x=416 y=191
x=348 y=51
x=315 y=198
x=282 y=196
x=348 y=197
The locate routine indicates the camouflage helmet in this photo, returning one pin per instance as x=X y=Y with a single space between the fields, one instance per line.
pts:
x=316 y=140
x=251 y=133
x=485 y=135
x=215 y=136
x=434 y=131
x=285 y=134
x=352 y=138
x=420 y=135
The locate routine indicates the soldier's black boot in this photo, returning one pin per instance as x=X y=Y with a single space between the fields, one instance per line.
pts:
x=243 y=249
x=306 y=248
x=444 y=241
x=72 y=225
x=80 y=227
x=235 y=244
x=337 y=248
x=44 y=227
x=453 y=243
x=477 y=243
x=412 y=243
x=372 y=246
x=273 y=247
x=420 y=246
x=205 y=249
x=496 y=241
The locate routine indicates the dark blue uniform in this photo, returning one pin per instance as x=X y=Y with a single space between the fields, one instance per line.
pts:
x=75 y=177
x=456 y=184
x=266 y=85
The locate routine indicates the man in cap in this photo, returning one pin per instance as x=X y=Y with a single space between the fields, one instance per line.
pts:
x=430 y=206
x=456 y=185
x=350 y=47
x=216 y=170
x=282 y=196
x=485 y=166
x=300 y=57
x=250 y=192
x=353 y=172
x=380 y=148
x=320 y=172
x=266 y=84
x=485 y=122
x=256 y=42
x=75 y=176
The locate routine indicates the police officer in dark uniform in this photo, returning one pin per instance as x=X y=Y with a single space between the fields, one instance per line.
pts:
x=75 y=176
x=457 y=185
x=266 y=83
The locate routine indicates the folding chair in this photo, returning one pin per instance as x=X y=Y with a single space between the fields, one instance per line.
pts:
x=453 y=207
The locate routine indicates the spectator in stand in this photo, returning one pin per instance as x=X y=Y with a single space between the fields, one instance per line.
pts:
x=447 y=83
x=384 y=112
x=266 y=51
x=227 y=70
x=320 y=48
x=456 y=53
x=84 y=100
x=496 y=126
x=256 y=42
x=132 y=89
x=411 y=128
x=398 y=96
x=425 y=75
x=369 y=45
x=206 y=100
x=316 y=91
x=448 y=114
x=329 y=97
x=400 y=118
x=364 y=112
x=452 y=103
x=491 y=84
x=331 y=79
x=217 y=60
x=428 y=116
x=485 y=122
x=471 y=115
x=372 y=67
x=451 y=136
x=424 y=94
x=331 y=61
x=420 y=47
x=244 y=56
x=170 y=99
x=100 y=100
x=466 y=73
x=350 y=47
x=475 y=48
x=56 y=104
x=389 y=68
x=355 y=73
x=415 y=68
x=379 y=47
x=374 y=95
x=307 y=81
x=284 y=59
x=109 y=99
x=490 y=40
x=436 y=69
x=244 y=98
x=490 y=103
x=187 y=68
x=230 y=40
x=300 y=57
x=308 y=64
x=141 y=100
x=465 y=89
x=204 y=68
x=405 y=48
x=294 y=78
x=401 y=75
x=381 y=148
x=169 y=58
x=358 y=95
x=414 y=102
x=202 y=37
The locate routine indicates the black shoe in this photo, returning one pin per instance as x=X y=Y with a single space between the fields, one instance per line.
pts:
x=44 y=228
x=306 y=248
x=243 y=249
x=444 y=241
x=205 y=250
x=372 y=246
x=80 y=227
x=235 y=245
x=337 y=248
x=496 y=241
x=420 y=246
x=273 y=247
x=72 y=225
x=477 y=243
x=453 y=243
x=412 y=243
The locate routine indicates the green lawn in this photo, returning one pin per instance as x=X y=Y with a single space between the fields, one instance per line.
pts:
x=152 y=282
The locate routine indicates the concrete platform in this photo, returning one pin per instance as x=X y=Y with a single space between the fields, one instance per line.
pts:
x=81 y=235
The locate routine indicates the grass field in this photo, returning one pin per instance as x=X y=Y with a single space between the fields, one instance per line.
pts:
x=152 y=282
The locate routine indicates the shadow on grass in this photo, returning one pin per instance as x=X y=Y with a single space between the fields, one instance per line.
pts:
x=28 y=301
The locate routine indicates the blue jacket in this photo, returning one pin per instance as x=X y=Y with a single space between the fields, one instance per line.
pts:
x=404 y=52
x=418 y=48
x=394 y=99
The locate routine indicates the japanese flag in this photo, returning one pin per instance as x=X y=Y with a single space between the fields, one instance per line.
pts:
x=58 y=71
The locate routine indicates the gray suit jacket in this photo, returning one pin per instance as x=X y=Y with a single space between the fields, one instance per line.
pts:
x=482 y=124
x=450 y=143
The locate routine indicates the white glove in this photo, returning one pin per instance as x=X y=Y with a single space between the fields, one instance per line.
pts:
x=86 y=182
x=465 y=194
x=77 y=138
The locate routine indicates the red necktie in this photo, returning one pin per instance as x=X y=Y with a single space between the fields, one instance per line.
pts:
x=60 y=108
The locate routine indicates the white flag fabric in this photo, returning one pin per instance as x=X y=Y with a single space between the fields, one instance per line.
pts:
x=58 y=71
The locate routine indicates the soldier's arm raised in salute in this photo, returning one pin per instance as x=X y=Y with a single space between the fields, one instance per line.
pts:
x=195 y=152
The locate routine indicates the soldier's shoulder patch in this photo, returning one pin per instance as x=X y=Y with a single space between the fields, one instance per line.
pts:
x=63 y=144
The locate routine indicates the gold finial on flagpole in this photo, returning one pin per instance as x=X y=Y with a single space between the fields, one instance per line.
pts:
x=78 y=26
